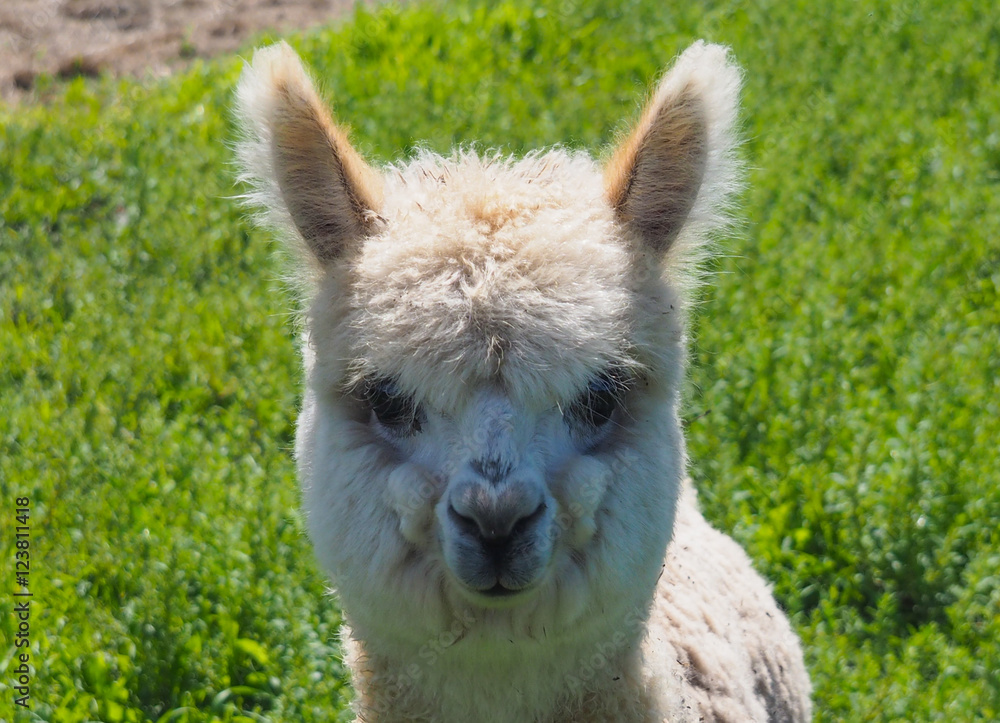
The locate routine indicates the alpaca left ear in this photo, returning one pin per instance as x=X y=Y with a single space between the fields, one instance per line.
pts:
x=298 y=162
x=675 y=169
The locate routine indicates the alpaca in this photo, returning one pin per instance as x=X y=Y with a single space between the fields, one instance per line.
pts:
x=490 y=450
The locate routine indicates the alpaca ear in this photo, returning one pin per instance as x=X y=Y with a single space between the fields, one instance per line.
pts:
x=298 y=163
x=675 y=170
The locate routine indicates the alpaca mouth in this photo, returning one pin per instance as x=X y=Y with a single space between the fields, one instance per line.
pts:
x=487 y=578
x=499 y=595
x=499 y=591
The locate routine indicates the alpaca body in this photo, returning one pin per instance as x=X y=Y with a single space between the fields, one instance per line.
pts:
x=490 y=448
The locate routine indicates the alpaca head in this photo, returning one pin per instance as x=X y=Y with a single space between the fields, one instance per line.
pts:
x=494 y=350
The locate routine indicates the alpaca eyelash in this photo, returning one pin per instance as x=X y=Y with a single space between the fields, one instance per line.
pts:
x=605 y=394
x=394 y=409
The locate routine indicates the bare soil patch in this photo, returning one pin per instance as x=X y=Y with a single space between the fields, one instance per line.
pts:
x=136 y=37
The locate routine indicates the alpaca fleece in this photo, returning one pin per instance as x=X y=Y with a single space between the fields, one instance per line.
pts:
x=490 y=448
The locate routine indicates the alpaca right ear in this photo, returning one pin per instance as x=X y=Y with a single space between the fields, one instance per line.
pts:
x=675 y=170
x=299 y=164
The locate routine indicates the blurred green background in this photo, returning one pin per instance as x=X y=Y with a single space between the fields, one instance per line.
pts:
x=844 y=400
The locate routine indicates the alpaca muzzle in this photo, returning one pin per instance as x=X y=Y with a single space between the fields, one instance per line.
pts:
x=495 y=535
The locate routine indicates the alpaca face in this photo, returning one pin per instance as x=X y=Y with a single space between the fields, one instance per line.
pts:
x=493 y=351
x=490 y=377
x=488 y=347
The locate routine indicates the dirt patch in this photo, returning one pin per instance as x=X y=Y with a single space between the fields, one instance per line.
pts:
x=136 y=37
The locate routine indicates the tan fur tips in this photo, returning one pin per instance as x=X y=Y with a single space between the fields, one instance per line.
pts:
x=300 y=163
x=675 y=165
x=654 y=177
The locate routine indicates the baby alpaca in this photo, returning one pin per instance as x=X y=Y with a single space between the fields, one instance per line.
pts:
x=490 y=449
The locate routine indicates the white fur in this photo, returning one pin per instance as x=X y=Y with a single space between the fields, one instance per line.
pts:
x=492 y=291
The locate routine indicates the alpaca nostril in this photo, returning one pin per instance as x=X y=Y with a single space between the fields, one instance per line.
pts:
x=467 y=525
x=526 y=522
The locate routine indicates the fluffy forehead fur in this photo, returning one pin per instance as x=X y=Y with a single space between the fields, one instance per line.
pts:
x=490 y=271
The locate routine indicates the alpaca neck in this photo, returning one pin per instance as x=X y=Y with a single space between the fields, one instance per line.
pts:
x=501 y=682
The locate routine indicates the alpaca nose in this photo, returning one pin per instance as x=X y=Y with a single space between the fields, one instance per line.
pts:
x=494 y=519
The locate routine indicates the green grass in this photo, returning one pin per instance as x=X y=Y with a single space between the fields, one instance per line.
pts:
x=844 y=399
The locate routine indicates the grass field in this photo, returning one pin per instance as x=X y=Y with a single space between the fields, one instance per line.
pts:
x=844 y=402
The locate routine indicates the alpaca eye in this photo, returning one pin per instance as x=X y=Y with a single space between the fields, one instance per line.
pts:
x=595 y=407
x=393 y=408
